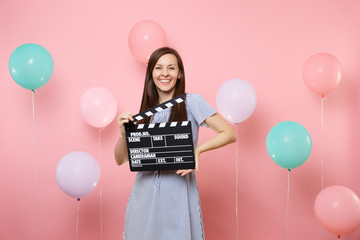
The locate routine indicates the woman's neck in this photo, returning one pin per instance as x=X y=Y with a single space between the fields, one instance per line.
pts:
x=163 y=97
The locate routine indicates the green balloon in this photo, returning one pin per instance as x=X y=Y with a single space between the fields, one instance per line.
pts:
x=289 y=144
x=31 y=66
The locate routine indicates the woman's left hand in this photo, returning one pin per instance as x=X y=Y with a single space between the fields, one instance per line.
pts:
x=183 y=172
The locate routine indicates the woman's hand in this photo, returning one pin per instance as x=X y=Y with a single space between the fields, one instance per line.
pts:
x=224 y=135
x=121 y=153
x=123 y=118
x=183 y=172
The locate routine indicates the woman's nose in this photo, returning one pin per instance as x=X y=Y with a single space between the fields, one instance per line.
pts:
x=165 y=73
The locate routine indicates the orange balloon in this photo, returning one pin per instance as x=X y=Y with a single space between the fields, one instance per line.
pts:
x=322 y=73
x=144 y=38
x=337 y=208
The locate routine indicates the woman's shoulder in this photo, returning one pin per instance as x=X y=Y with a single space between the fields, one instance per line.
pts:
x=195 y=99
x=198 y=108
x=193 y=96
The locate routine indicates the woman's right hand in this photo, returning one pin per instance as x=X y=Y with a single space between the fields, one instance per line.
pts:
x=121 y=153
x=123 y=118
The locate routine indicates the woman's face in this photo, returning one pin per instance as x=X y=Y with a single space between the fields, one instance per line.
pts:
x=165 y=74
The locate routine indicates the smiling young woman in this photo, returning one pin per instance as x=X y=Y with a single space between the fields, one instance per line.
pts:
x=165 y=204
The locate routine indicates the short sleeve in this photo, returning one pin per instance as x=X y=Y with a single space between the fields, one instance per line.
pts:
x=199 y=108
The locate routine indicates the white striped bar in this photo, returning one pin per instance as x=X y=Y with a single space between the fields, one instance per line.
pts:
x=159 y=108
x=162 y=125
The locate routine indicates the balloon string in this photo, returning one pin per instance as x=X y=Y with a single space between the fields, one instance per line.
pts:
x=236 y=183
x=35 y=165
x=34 y=142
x=236 y=186
x=322 y=143
x=101 y=225
x=287 y=205
x=77 y=219
x=322 y=150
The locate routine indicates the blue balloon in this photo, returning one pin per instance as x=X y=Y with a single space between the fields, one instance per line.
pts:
x=31 y=66
x=289 y=144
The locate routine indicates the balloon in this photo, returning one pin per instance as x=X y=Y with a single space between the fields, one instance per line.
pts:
x=98 y=107
x=337 y=208
x=144 y=38
x=322 y=73
x=288 y=144
x=77 y=174
x=31 y=66
x=236 y=100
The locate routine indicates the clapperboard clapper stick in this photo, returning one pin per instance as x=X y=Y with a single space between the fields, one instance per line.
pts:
x=160 y=146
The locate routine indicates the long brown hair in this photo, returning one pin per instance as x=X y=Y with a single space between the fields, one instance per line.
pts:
x=150 y=96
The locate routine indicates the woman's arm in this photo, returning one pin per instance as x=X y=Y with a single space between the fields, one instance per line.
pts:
x=121 y=153
x=224 y=135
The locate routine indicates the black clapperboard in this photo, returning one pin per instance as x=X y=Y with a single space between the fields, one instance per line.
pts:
x=160 y=146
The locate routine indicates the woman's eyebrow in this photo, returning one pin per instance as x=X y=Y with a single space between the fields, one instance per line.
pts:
x=171 y=64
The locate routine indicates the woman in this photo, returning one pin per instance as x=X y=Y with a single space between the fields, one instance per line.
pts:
x=165 y=205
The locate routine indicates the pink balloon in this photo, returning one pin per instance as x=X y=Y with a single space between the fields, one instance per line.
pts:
x=77 y=174
x=337 y=208
x=98 y=107
x=236 y=100
x=322 y=73
x=144 y=38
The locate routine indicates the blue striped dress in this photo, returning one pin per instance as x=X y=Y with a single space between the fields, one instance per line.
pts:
x=163 y=205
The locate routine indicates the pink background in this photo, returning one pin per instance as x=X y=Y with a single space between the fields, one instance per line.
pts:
x=263 y=42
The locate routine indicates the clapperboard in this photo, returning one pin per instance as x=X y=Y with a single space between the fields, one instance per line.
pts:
x=160 y=146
